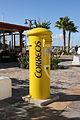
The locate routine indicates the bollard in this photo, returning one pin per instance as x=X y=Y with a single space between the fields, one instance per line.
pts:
x=39 y=62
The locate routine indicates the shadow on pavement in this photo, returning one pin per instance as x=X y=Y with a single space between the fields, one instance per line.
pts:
x=45 y=114
x=75 y=118
x=20 y=87
x=26 y=111
x=17 y=109
x=65 y=97
x=64 y=60
x=9 y=65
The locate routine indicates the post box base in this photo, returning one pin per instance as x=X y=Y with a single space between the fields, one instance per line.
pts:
x=41 y=103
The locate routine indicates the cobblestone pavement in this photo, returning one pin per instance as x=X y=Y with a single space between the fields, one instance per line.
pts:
x=62 y=80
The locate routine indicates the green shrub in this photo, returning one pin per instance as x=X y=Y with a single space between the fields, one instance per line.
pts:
x=55 y=62
x=24 y=60
x=64 y=52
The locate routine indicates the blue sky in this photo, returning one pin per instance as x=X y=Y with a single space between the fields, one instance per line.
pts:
x=16 y=11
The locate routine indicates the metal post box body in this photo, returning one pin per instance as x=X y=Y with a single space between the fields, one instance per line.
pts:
x=39 y=62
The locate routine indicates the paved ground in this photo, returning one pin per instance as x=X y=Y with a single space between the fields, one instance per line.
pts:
x=64 y=82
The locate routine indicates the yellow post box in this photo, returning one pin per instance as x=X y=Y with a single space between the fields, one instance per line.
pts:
x=39 y=62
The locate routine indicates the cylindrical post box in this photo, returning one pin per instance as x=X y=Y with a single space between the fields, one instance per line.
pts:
x=39 y=62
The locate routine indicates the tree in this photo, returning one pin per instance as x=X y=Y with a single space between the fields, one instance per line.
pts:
x=43 y=24
x=62 y=24
x=71 y=28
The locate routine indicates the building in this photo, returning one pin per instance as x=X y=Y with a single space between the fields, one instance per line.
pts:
x=11 y=30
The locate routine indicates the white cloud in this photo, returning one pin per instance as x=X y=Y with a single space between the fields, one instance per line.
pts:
x=57 y=36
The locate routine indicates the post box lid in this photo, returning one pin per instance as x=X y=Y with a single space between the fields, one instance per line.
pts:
x=39 y=31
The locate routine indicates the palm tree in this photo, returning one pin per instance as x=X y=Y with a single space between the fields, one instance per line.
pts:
x=62 y=24
x=71 y=28
x=43 y=24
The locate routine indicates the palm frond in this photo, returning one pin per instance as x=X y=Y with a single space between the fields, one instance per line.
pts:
x=45 y=24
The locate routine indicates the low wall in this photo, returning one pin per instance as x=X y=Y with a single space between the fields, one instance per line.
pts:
x=5 y=87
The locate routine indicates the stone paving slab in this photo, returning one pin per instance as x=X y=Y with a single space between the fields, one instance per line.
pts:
x=70 y=104
x=59 y=105
x=73 y=110
x=71 y=113
x=75 y=105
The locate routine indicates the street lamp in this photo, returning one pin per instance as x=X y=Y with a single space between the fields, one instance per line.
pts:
x=30 y=22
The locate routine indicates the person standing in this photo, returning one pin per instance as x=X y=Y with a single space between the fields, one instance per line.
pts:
x=76 y=49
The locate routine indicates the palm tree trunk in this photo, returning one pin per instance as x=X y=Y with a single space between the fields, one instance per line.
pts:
x=69 y=36
x=64 y=38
